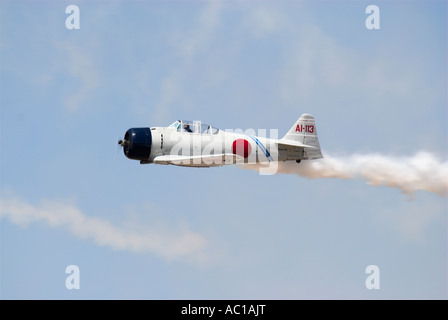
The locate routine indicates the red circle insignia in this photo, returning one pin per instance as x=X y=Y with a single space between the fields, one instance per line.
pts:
x=241 y=147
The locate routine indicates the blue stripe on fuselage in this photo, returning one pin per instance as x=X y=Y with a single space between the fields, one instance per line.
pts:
x=262 y=147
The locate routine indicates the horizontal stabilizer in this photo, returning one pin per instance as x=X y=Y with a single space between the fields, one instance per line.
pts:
x=293 y=144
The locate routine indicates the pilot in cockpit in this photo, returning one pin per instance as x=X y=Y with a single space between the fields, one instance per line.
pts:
x=187 y=128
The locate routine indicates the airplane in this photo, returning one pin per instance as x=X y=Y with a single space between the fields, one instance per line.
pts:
x=196 y=144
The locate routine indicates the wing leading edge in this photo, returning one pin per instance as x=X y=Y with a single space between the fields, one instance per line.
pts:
x=200 y=161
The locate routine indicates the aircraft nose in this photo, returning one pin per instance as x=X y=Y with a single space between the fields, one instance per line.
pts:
x=137 y=143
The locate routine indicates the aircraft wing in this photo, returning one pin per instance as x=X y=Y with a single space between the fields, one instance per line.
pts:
x=213 y=160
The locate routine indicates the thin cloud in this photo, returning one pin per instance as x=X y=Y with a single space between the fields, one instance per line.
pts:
x=80 y=65
x=264 y=21
x=189 y=45
x=184 y=244
x=412 y=222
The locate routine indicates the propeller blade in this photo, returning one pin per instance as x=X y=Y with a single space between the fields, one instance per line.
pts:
x=119 y=143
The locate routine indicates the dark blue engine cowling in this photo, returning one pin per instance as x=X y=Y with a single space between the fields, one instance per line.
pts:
x=137 y=143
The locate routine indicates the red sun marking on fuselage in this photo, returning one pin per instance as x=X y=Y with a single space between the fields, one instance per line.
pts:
x=241 y=147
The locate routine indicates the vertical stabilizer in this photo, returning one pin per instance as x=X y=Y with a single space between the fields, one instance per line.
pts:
x=304 y=132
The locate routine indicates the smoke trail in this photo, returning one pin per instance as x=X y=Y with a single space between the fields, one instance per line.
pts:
x=181 y=244
x=423 y=171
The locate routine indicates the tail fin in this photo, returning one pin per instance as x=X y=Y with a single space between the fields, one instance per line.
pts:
x=304 y=132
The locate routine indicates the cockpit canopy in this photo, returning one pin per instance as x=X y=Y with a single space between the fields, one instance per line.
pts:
x=194 y=127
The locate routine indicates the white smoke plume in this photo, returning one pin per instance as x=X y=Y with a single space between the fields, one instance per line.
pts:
x=423 y=171
x=179 y=244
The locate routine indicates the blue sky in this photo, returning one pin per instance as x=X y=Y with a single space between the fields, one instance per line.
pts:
x=164 y=232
